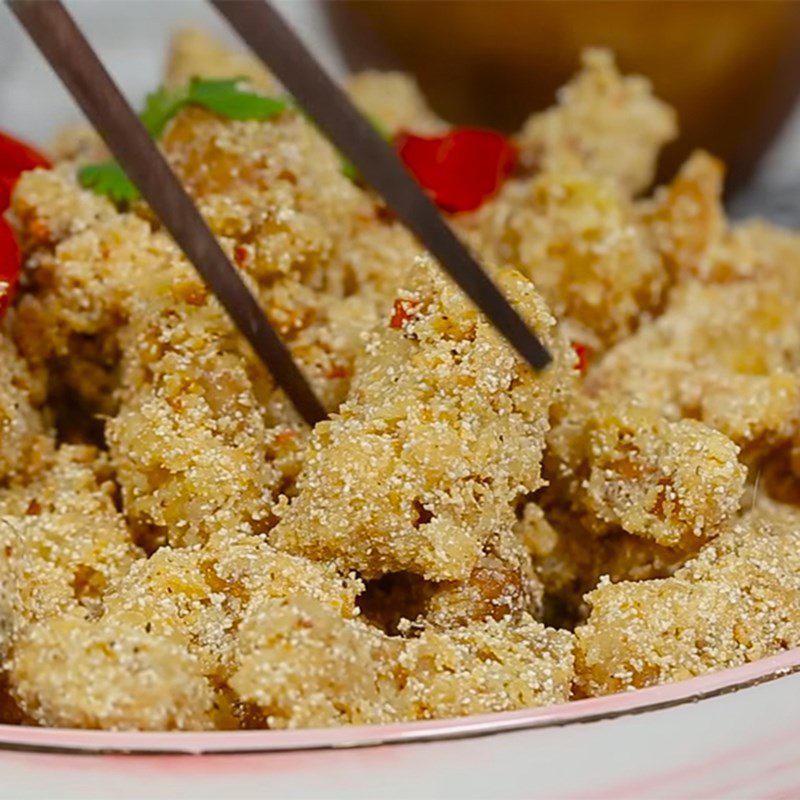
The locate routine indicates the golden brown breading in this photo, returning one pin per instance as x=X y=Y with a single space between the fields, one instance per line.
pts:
x=394 y=101
x=725 y=354
x=738 y=601
x=194 y=53
x=189 y=441
x=443 y=429
x=483 y=667
x=609 y=125
x=623 y=465
x=62 y=541
x=23 y=437
x=569 y=561
x=579 y=240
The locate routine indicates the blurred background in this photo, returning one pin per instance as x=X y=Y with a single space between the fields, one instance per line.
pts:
x=732 y=69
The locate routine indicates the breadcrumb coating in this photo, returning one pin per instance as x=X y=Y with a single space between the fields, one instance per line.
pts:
x=580 y=241
x=394 y=101
x=626 y=466
x=22 y=429
x=724 y=354
x=179 y=551
x=63 y=541
x=605 y=123
x=194 y=53
x=736 y=602
x=443 y=429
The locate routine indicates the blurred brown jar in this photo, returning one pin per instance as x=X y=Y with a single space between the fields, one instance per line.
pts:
x=732 y=69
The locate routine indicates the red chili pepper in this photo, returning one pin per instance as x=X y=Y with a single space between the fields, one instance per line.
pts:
x=582 y=351
x=460 y=170
x=15 y=158
x=403 y=311
x=10 y=265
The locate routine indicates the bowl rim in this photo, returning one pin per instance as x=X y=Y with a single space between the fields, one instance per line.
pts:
x=72 y=740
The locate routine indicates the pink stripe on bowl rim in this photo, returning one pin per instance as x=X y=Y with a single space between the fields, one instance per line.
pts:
x=580 y=711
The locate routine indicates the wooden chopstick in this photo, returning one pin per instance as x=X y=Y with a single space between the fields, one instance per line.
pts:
x=276 y=44
x=64 y=46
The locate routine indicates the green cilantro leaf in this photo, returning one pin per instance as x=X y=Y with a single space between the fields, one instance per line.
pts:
x=160 y=107
x=229 y=100
x=108 y=179
x=223 y=97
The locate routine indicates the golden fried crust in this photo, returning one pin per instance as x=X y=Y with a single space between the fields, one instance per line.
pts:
x=579 y=240
x=568 y=560
x=189 y=441
x=611 y=126
x=625 y=466
x=394 y=101
x=194 y=53
x=483 y=667
x=736 y=602
x=22 y=430
x=690 y=363
x=443 y=428
x=119 y=677
x=62 y=541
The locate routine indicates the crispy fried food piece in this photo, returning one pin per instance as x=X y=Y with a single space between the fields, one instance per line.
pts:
x=194 y=53
x=169 y=639
x=119 y=677
x=609 y=125
x=303 y=665
x=579 y=240
x=736 y=602
x=727 y=355
x=443 y=429
x=483 y=667
x=23 y=437
x=62 y=541
x=568 y=560
x=687 y=219
x=189 y=441
x=502 y=585
x=394 y=101
x=85 y=261
x=626 y=466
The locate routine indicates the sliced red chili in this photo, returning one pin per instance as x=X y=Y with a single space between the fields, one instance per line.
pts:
x=461 y=169
x=403 y=311
x=582 y=351
x=15 y=158
x=10 y=265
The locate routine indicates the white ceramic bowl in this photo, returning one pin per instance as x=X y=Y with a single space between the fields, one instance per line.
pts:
x=732 y=734
x=736 y=733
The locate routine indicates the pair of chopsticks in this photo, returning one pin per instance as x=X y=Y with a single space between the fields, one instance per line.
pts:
x=275 y=43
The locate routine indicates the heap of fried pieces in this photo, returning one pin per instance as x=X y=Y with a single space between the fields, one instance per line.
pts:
x=178 y=551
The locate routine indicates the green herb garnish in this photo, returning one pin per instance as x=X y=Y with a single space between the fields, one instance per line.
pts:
x=223 y=97
x=110 y=180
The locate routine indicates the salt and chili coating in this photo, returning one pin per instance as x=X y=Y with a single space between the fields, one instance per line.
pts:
x=200 y=559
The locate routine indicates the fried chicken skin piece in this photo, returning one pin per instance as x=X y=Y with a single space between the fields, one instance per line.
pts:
x=189 y=440
x=62 y=541
x=443 y=429
x=168 y=640
x=625 y=466
x=607 y=124
x=195 y=53
x=304 y=666
x=724 y=354
x=579 y=239
x=736 y=602
x=568 y=560
x=23 y=433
